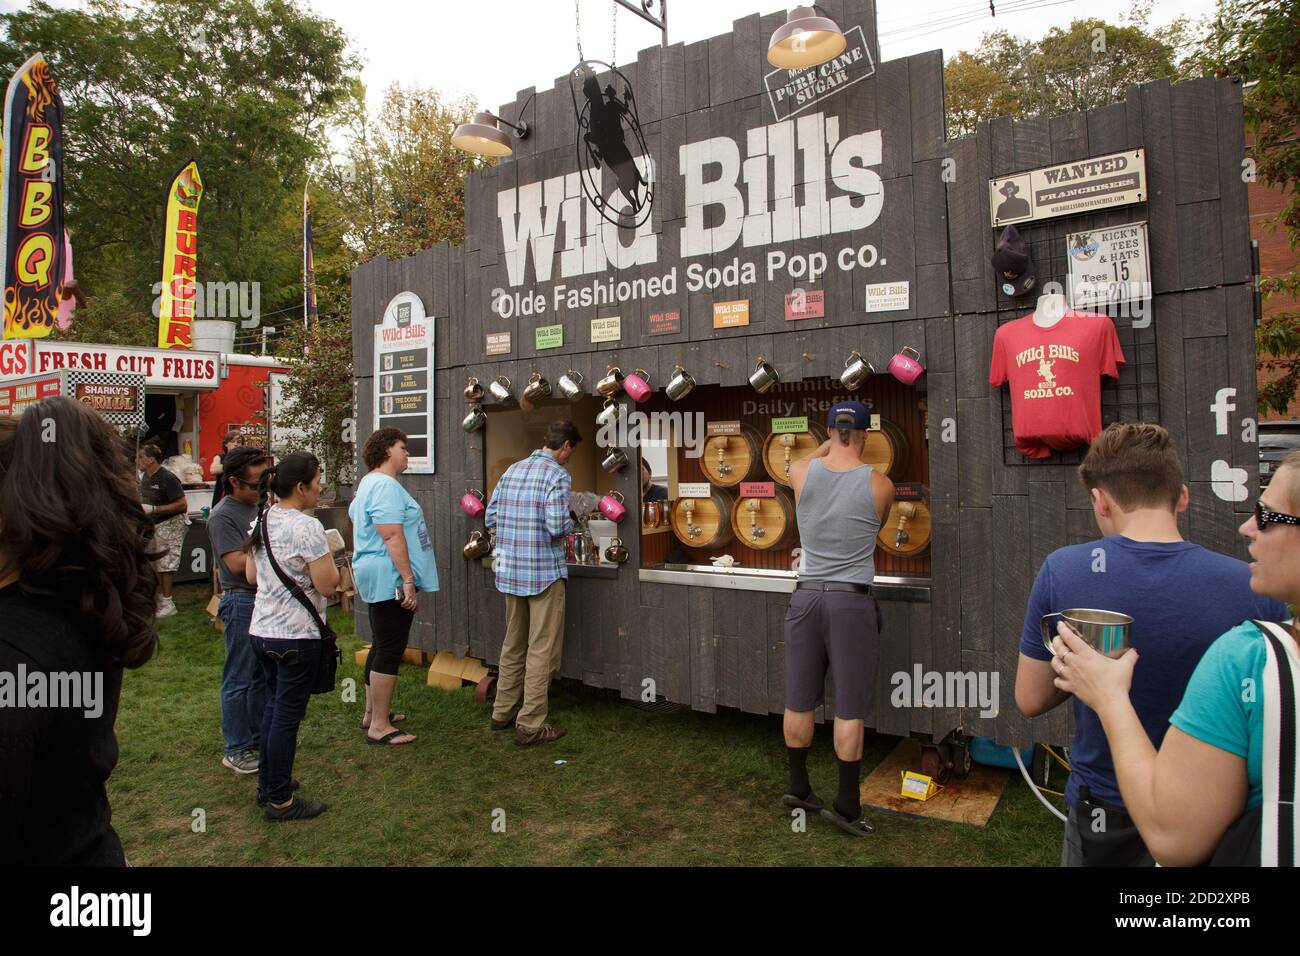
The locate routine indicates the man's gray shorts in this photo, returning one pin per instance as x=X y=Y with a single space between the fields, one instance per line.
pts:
x=836 y=628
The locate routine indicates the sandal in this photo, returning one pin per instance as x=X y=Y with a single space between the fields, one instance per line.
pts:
x=812 y=803
x=859 y=827
x=390 y=738
x=392 y=719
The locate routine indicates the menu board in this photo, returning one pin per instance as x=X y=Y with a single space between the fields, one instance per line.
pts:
x=403 y=388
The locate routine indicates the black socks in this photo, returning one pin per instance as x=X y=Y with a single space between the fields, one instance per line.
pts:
x=799 y=785
x=848 y=801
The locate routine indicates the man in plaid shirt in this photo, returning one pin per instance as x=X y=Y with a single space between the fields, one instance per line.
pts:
x=529 y=511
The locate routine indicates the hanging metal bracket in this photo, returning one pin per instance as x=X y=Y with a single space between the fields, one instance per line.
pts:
x=643 y=11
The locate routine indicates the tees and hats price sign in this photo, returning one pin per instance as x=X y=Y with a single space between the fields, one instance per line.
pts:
x=404 y=343
x=1109 y=266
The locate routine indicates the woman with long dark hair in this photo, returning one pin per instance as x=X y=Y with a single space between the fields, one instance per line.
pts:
x=77 y=602
x=282 y=630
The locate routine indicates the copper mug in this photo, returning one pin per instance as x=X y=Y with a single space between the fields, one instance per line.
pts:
x=616 y=552
x=764 y=376
x=537 y=389
x=478 y=546
x=612 y=383
x=475 y=419
x=500 y=388
x=473 y=390
x=652 y=514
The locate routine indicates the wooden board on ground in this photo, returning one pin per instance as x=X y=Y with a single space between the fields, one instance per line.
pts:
x=972 y=800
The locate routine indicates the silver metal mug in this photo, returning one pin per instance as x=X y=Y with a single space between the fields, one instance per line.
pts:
x=615 y=461
x=571 y=384
x=500 y=388
x=681 y=383
x=474 y=420
x=856 y=370
x=608 y=415
x=764 y=376
x=1108 y=632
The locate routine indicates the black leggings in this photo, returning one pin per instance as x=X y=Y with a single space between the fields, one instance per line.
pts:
x=390 y=625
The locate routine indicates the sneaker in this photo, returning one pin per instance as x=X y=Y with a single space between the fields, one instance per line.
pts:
x=166 y=608
x=261 y=794
x=507 y=723
x=298 y=810
x=543 y=734
x=243 y=762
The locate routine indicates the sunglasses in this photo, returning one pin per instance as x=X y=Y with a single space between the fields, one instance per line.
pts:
x=1264 y=517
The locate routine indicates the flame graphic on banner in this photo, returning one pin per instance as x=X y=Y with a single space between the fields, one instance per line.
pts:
x=41 y=91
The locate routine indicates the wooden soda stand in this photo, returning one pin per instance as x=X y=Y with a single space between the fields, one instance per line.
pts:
x=803 y=226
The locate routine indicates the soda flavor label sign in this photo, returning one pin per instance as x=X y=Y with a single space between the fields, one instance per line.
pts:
x=665 y=323
x=785 y=426
x=801 y=304
x=498 y=343
x=693 y=489
x=757 y=489
x=730 y=315
x=549 y=336
x=888 y=297
x=713 y=429
x=1108 y=266
x=404 y=343
x=607 y=330
x=1067 y=189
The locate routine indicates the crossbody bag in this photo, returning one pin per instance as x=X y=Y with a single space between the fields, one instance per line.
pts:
x=330 y=655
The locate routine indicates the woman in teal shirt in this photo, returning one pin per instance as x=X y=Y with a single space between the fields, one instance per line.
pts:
x=1209 y=769
x=392 y=559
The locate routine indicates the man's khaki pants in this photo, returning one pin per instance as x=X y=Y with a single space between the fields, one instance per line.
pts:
x=530 y=655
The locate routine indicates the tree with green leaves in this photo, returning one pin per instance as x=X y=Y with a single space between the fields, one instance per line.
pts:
x=247 y=88
x=1259 y=40
x=1088 y=64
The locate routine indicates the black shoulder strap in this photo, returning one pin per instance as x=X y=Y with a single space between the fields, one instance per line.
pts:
x=292 y=586
x=1278 y=826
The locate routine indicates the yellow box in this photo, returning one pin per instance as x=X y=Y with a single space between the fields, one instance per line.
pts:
x=917 y=786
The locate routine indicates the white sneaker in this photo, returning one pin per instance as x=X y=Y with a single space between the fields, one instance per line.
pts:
x=166 y=608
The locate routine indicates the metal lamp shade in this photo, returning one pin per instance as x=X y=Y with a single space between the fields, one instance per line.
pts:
x=805 y=40
x=483 y=137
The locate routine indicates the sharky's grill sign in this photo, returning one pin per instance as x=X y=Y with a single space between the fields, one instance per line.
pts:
x=751 y=190
x=404 y=386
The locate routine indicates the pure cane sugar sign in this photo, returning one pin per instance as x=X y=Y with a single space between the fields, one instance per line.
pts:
x=1108 y=266
x=730 y=315
x=404 y=362
x=1067 y=189
x=793 y=91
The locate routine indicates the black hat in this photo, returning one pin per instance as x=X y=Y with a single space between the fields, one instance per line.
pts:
x=1009 y=188
x=1013 y=264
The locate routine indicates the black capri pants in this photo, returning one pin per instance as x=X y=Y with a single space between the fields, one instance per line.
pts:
x=390 y=626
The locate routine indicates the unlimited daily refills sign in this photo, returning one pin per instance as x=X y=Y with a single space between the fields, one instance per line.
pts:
x=404 y=377
x=1068 y=189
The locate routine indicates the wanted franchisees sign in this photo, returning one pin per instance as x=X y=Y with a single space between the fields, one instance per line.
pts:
x=793 y=91
x=404 y=360
x=1067 y=189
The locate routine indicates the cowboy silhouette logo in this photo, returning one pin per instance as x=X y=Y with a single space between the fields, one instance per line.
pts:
x=610 y=145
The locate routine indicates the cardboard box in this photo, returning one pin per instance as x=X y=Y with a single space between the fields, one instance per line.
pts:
x=449 y=672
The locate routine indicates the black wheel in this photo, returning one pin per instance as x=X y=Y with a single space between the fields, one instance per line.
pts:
x=961 y=762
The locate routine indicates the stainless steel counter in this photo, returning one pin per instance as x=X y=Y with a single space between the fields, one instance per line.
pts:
x=760 y=579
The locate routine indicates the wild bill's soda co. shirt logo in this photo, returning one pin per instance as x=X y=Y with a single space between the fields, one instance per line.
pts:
x=1047 y=356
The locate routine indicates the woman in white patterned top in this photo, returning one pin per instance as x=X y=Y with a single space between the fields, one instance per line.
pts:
x=283 y=631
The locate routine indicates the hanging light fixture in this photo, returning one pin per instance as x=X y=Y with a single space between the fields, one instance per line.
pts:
x=484 y=136
x=805 y=40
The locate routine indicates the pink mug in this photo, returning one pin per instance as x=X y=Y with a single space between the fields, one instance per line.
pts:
x=472 y=503
x=638 y=385
x=905 y=367
x=612 y=507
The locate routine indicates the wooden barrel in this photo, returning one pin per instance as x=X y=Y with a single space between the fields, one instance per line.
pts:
x=774 y=449
x=772 y=518
x=912 y=519
x=730 y=459
x=886 y=450
x=710 y=519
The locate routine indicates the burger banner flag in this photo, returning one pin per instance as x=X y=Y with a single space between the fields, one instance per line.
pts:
x=32 y=248
x=180 y=255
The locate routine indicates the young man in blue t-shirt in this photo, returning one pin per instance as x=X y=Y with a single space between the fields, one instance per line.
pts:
x=1181 y=598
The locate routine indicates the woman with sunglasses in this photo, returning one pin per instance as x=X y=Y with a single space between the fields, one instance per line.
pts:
x=1210 y=767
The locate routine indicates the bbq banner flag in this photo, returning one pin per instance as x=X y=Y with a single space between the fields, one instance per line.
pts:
x=31 y=202
x=180 y=255
x=308 y=266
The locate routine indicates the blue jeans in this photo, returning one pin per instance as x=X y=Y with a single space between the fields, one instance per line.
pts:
x=290 y=668
x=243 y=685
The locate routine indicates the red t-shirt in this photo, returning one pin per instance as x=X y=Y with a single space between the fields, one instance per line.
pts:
x=1055 y=376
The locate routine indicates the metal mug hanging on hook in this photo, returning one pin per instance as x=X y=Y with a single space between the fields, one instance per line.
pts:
x=906 y=365
x=571 y=384
x=764 y=376
x=500 y=388
x=638 y=385
x=680 y=385
x=615 y=461
x=473 y=390
x=612 y=383
x=607 y=417
x=471 y=502
x=856 y=370
x=475 y=419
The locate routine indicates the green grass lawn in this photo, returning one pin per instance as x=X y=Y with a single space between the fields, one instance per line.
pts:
x=636 y=788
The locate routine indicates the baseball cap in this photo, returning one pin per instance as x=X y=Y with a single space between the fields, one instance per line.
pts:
x=1013 y=264
x=849 y=415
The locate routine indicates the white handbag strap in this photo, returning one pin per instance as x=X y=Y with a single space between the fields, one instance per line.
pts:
x=1279 y=825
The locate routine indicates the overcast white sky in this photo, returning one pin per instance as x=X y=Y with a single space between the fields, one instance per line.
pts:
x=436 y=43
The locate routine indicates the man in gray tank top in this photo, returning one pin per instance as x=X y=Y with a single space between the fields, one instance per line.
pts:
x=833 y=620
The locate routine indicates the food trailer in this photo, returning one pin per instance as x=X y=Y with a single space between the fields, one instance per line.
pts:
x=810 y=229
